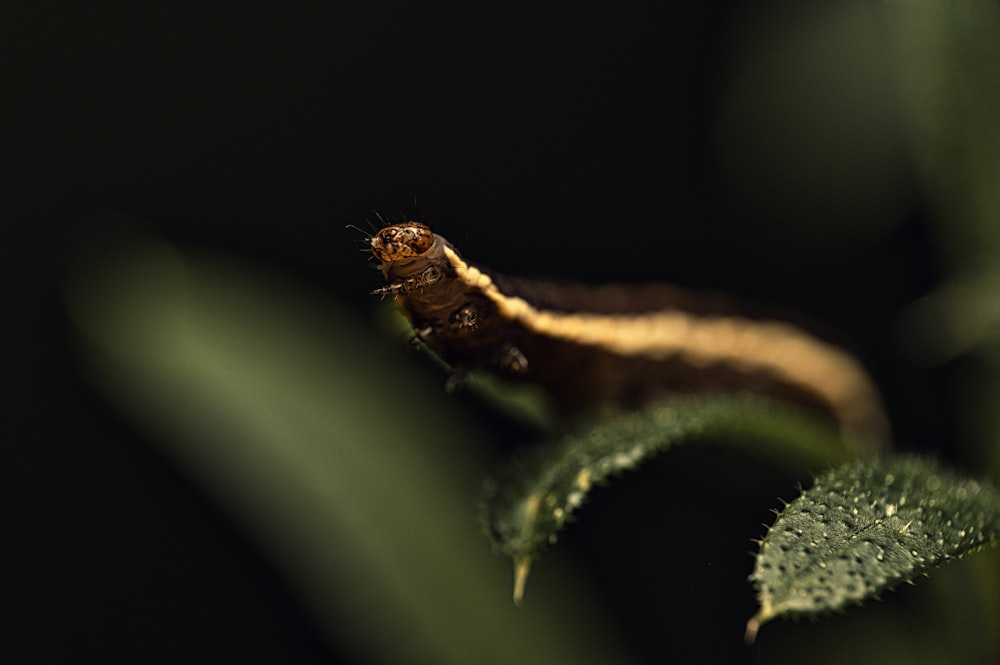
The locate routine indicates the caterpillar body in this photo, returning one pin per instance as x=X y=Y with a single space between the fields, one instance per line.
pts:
x=621 y=345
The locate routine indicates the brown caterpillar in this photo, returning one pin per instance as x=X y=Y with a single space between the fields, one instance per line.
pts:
x=615 y=344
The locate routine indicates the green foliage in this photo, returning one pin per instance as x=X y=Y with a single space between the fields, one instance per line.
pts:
x=369 y=516
x=864 y=528
x=530 y=502
x=361 y=490
x=358 y=481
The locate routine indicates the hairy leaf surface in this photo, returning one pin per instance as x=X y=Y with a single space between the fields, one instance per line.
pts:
x=864 y=528
x=527 y=507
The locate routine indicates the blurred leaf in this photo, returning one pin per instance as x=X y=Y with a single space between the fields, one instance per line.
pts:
x=357 y=479
x=960 y=317
x=807 y=132
x=946 y=57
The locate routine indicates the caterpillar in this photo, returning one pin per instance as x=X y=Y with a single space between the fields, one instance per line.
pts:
x=619 y=345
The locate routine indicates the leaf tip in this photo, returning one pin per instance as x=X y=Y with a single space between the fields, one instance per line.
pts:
x=522 y=566
x=753 y=626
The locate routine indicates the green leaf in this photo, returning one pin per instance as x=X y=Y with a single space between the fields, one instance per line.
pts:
x=351 y=472
x=527 y=506
x=864 y=528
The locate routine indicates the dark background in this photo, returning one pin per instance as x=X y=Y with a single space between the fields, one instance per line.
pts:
x=558 y=139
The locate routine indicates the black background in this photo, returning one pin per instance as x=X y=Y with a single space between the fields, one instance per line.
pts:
x=543 y=138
